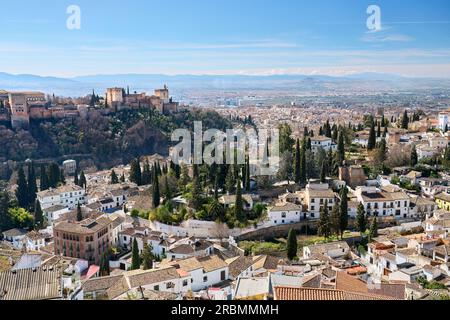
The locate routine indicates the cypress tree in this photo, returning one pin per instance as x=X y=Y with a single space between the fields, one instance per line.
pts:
x=79 y=213
x=378 y=130
x=76 y=180
x=335 y=220
x=147 y=255
x=343 y=211
x=38 y=215
x=44 y=183
x=303 y=168
x=83 y=181
x=167 y=191
x=372 y=138
x=62 y=177
x=414 y=156
x=122 y=178
x=341 y=147
x=22 y=189
x=114 y=178
x=373 y=231
x=324 y=228
x=405 y=120
x=238 y=207
x=32 y=185
x=297 y=164
x=247 y=177
x=292 y=245
x=323 y=172
x=385 y=132
x=104 y=265
x=135 y=172
x=146 y=174
x=361 y=219
x=135 y=259
x=54 y=175
x=156 y=194
x=6 y=222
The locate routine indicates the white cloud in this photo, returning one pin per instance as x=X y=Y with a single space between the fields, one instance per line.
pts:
x=375 y=37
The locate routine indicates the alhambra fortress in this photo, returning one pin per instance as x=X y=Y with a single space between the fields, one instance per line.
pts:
x=19 y=108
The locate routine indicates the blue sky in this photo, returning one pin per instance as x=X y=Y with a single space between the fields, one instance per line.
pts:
x=225 y=37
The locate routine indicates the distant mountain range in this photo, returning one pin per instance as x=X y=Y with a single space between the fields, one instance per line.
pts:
x=83 y=85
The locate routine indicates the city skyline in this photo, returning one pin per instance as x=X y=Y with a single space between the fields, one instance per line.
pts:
x=223 y=38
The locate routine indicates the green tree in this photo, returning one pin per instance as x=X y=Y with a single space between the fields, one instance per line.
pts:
x=373 y=230
x=215 y=211
x=44 y=183
x=62 y=177
x=361 y=219
x=114 y=177
x=122 y=178
x=21 y=218
x=335 y=220
x=297 y=162
x=146 y=174
x=323 y=172
x=303 y=167
x=38 y=215
x=381 y=152
x=286 y=141
x=135 y=259
x=156 y=194
x=343 y=211
x=76 y=179
x=239 y=205
x=147 y=257
x=341 y=147
x=32 y=185
x=372 y=138
x=414 y=157
x=83 y=181
x=54 y=175
x=22 y=189
x=247 y=176
x=135 y=172
x=6 y=222
x=79 y=213
x=167 y=190
x=104 y=265
x=292 y=245
x=405 y=120
x=324 y=228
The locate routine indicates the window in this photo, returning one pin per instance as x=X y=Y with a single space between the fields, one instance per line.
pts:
x=156 y=288
x=283 y=215
x=185 y=283
x=205 y=279
x=222 y=276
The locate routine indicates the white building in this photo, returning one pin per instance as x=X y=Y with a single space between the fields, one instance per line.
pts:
x=205 y=272
x=425 y=151
x=54 y=213
x=322 y=142
x=316 y=195
x=68 y=196
x=382 y=203
x=285 y=213
x=443 y=120
x=34 y=241
x=15 y=237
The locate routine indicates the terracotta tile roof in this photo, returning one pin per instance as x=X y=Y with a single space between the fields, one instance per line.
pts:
x=349 y=283
x=315 y=294
x=31 y=284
